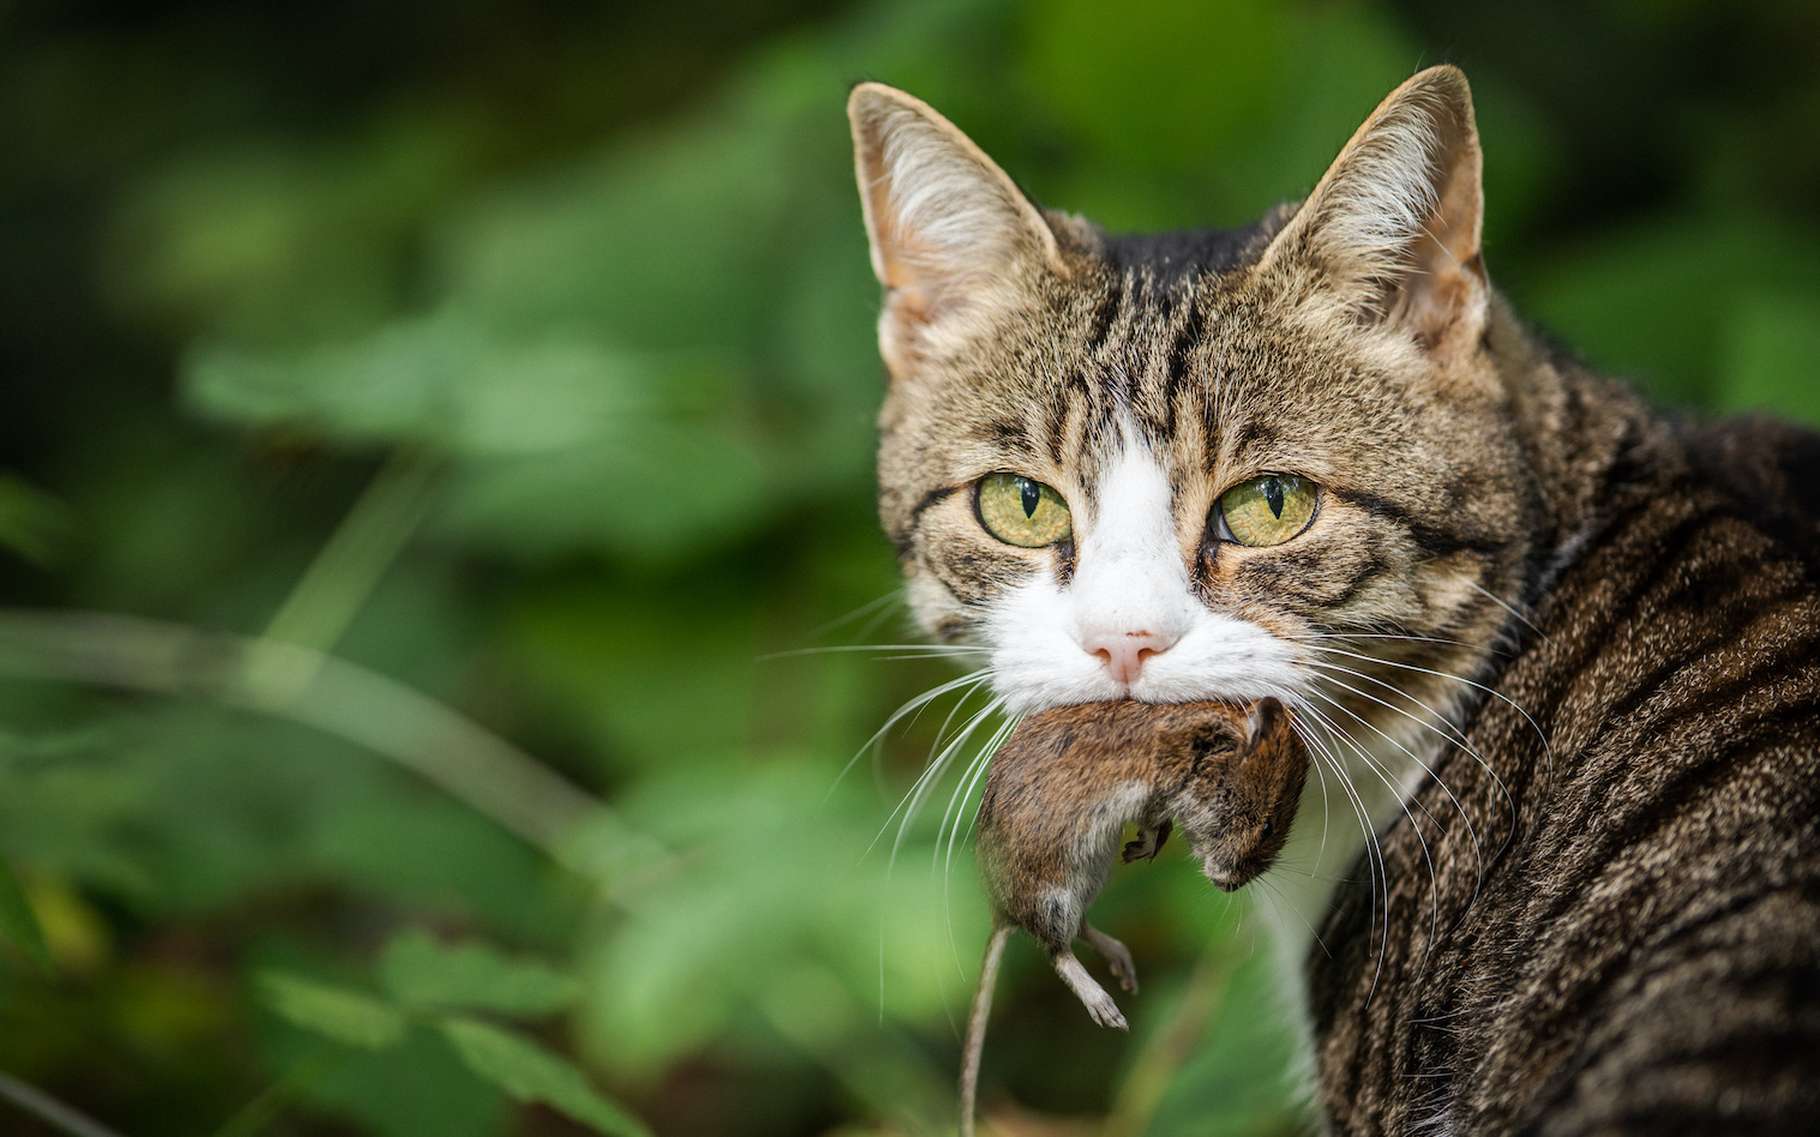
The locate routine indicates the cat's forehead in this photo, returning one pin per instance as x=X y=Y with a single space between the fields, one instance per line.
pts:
x=1194 y=366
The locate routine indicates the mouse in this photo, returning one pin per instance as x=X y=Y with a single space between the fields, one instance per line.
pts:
x=1062 y=789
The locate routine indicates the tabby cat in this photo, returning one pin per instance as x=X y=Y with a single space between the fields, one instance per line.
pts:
x=1557 y=654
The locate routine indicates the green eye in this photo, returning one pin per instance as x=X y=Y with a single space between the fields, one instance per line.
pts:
x=1021 y=511
x=1267 y=510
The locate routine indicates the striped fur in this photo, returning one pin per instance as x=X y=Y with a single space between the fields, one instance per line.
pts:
x=1576 y=643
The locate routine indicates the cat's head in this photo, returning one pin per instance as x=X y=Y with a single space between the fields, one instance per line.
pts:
x=1169 y=468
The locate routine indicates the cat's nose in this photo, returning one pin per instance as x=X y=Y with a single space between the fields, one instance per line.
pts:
x=1124 y=653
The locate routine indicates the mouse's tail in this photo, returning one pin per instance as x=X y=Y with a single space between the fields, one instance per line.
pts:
x=976 y=1025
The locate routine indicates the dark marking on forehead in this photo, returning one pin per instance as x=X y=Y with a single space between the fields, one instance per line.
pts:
x=1180 y=349
x=1172 y=258
x=1255 y=431
x=1106 y=314
x=1010 y=434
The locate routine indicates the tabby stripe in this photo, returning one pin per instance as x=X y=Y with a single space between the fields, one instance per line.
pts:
x=1105 y=314
x=1790 y=665
x=1692 y=925
x=907 y=535
x=1740 y=620
x=1432 y=541
x=1055 y=423
x=1179 y=350
x=1368 y=574
x=1569 y=964
x=1664 y=557
x=1669 y=799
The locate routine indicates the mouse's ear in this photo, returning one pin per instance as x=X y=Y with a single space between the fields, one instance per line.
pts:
x=1265 y=720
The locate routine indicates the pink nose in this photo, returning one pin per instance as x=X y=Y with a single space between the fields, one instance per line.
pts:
x=1124 y=653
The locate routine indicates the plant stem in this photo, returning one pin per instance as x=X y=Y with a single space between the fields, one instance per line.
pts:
x=49 y=1110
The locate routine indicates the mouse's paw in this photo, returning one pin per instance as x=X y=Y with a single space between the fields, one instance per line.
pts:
x=1149 y=842
x=1116 y=954
x=1119 y=962
x=1105 y=1012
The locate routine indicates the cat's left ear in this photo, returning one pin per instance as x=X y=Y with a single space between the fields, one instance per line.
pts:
x=1392 y=229
x=952 y=235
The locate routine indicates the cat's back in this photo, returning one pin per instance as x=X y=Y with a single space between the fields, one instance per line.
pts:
x=1636 y=947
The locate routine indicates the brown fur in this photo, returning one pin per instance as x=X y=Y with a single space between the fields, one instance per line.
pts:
x=1064 y=786
x=1632 y=945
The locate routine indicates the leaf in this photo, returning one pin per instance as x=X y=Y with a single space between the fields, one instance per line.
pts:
x=348 y=1017
x=532 y=1075
x=421 y=972
x=33 y=524
x=18 y=924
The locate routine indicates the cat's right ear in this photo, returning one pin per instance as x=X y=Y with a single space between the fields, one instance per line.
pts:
x=952 y=235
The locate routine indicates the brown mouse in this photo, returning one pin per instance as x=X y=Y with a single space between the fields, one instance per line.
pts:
x=1058 y=797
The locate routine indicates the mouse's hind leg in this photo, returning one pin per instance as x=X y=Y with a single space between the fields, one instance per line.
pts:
x=1099 y=1005
x=1116 y=955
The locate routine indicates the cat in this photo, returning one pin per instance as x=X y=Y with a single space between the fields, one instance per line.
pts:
x=1557 y=653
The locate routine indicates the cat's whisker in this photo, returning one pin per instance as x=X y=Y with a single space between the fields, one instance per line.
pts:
x=917 y=651
x=1317 y=747
x=1402 y=799
x=913 y=798
x=876 y=607
x=1321 y=853
x=911 y=707
x=963 y=787
x=1477 y=847
x=1492 y=691
x=997 y=741
x=1373 y=853
x=1507 y=606
x=970 y=780
x=1275 y=898
x=1451 y=734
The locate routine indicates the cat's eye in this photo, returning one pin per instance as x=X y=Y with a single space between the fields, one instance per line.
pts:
x=1022 y=511
x=1267 y=510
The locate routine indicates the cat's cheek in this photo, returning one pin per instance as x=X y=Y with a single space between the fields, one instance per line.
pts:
x=1037 y=662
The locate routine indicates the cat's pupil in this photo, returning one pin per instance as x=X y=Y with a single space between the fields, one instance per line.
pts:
x=1273 y=496
x=1031 y=494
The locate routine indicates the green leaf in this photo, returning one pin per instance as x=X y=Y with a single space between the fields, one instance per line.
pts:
x=421 y=972
x=532 y=1075
x=348 y=1017
x=18 y=925
x=33 y=524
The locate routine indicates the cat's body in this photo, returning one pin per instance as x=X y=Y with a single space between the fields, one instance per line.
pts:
x=1644 y=957
x=1320 y=460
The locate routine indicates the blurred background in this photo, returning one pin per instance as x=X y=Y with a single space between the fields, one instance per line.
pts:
x=434 y=438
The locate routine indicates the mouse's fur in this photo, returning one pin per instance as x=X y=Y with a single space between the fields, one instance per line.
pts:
x=1057 y=800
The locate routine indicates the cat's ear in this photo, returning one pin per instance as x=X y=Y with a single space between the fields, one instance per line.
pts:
x=951 y=234
x=1393 y=227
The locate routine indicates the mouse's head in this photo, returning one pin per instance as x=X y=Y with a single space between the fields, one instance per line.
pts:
x=1241 y=794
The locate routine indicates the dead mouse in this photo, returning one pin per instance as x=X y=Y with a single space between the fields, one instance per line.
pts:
x=1058 y=797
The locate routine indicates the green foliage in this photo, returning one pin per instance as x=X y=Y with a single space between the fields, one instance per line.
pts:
x=530 y=1074
x=18 y=923
x=346 y=1016
x=421 y=972
x=428 y=982
x=528 y=362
